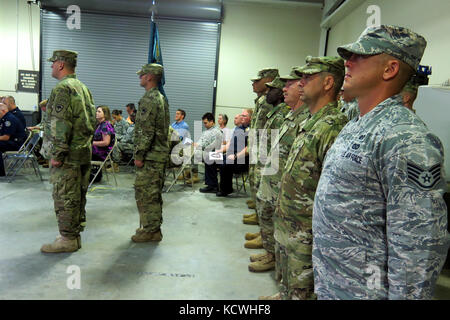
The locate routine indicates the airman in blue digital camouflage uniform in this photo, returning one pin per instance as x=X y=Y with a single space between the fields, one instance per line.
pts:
x=379 y=218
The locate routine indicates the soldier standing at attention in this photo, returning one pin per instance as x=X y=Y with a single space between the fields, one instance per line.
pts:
x=151 y=153
x=260 y=111
x=71 y=121
x=272 y=172
x=379 y=217
x=266 y=261
x=319 y=87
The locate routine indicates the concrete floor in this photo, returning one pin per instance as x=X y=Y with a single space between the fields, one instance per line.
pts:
x=200 y=258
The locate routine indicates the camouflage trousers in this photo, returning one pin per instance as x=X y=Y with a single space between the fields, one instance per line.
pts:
x=265 y=210
x=121 y=149
x=70 y=183
x=295 y=273
x=148 y=189
x=251 y=181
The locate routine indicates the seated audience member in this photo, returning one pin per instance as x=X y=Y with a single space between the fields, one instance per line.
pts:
x=125 y=147
x=236 y=157
x=180 y=125
x=222 y=121
x=120 y=124
x=210 y=141
x=11 y=104
x=12 y=134
x=104 y=138
x=130 y=110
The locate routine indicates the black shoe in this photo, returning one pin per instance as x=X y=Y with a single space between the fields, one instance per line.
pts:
x=222 y=194
x=208 y=189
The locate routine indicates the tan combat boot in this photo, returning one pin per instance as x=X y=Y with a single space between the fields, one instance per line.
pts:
x=248 y=201
x=252 y=220
x=258 y=256
x=142 y=236
x=251 y=205
x=251 y=236
x=250 y=215
x=194 y=178
x=265 y=264
x=276 y=296
x=187 y=174
x=254 y=244
x=62 y=244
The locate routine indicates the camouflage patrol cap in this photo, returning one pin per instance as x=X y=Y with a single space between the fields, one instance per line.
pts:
x=64 y=55
x=266 y=73
x=294 y=75
x=334 y=65
x=276 y=83
x=399 y=42
x=153 y=68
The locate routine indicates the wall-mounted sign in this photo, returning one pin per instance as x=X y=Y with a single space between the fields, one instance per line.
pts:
x=28 y=81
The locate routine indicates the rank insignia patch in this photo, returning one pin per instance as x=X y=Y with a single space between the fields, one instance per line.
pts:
x=7 y=124
x=424 y=178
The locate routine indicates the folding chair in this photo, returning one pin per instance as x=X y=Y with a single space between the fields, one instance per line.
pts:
x=6 y=153
x=102 y=165
x=244 y=177
x=185 y=165
x=20 y=157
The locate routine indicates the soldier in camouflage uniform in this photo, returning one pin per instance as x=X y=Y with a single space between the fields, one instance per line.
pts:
x=271 y=173
x=151 y=153
x=379 y=218
x=274 y=120
x=69 y=131
x=320 y=84
x=258 y=119
x=125 y=146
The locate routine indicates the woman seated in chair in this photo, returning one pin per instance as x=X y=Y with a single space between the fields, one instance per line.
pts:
x=104 y=138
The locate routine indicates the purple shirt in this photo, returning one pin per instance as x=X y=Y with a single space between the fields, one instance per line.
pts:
x=103 y=128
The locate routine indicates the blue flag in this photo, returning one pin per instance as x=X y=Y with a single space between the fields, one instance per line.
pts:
x=155 y=54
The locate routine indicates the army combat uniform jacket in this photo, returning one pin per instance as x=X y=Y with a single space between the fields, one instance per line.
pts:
x=152 y=128
x=71 y=121
x=379 y=219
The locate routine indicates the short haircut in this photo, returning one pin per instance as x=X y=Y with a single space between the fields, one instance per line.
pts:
x=209 y=116
x=157 y=77
x=182 y=112
x=131 y=106
x=117 y=112
x=224 y=117
x=249 y=111
x=10 y=99
x=338 y=81
x=106 y=112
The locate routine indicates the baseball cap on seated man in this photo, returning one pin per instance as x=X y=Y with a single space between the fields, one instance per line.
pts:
x=399 y=42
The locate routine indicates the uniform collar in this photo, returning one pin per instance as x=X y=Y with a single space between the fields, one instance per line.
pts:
x=313 y=118
x=70 y=76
